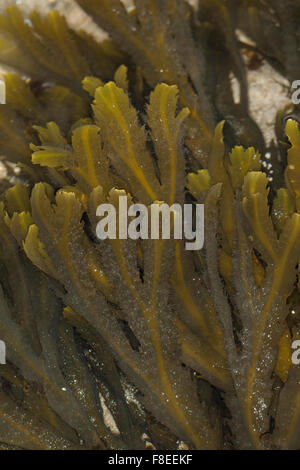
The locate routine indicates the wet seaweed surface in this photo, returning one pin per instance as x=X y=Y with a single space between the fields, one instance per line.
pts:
x=135 y=344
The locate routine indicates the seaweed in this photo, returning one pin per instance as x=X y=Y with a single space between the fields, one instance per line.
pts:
x=131 y=344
